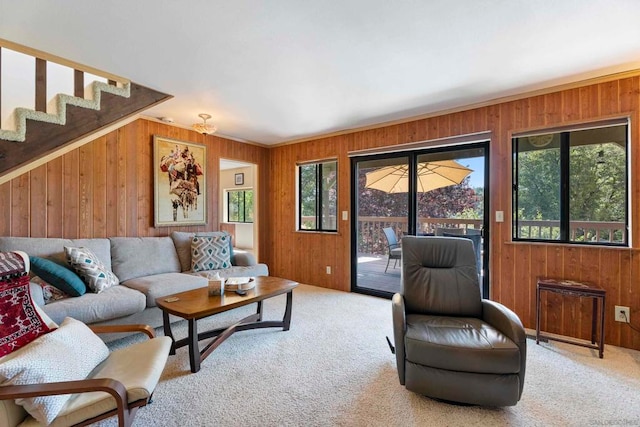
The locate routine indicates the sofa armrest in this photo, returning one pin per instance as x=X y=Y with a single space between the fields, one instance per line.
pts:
x=399 y=330
x=108 y=329
x=244 y=259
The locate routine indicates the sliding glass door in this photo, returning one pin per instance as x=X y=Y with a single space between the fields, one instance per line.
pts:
x=437 y=192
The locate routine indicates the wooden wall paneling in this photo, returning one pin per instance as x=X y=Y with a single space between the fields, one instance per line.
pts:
x=122 y=194
x=129 y=136
x=630 y=296
x=552 y=303
x=553 y=108
x=70 y=221
x=99 y=200
x=55 y=204
x=144 y=170
x=609 y=98
x=537 y=116
x=20 y=206
x=38 y=202
x=590 y=271
x=572 y=270
x=114 y=186
x=615 y=268
x=5 y=203
x=589 y=102
x=519 y=290
x=85 y=189
x=629 y=92
x=570 y=105
x=538 y=269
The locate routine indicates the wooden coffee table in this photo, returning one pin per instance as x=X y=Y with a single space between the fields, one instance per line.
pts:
x=197 y=304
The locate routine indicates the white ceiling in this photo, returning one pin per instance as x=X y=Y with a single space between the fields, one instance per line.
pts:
x=276 y=70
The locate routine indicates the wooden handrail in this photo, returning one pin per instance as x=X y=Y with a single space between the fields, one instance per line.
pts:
x=62 y=61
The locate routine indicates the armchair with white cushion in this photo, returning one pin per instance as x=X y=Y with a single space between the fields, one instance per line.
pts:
x=65 y=375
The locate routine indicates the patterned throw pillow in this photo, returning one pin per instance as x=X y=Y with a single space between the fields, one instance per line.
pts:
x=210 y=253
x=96 y=276
x=40 y=362
x=49 y=292
x=20 y=321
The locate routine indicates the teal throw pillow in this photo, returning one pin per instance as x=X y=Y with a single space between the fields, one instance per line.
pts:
x=57 y=275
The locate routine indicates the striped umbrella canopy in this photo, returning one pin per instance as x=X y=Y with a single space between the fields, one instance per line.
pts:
x=431 y=175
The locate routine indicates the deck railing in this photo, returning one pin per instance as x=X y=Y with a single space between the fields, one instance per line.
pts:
x=371 y=238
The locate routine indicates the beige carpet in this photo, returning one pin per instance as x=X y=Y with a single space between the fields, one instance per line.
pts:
x=334 y=368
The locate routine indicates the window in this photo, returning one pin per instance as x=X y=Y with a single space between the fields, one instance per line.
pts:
x=318 y=196
x=240 y=205
x=571 y=186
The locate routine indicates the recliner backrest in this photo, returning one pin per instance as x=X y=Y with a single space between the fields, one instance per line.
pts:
x=439 y=276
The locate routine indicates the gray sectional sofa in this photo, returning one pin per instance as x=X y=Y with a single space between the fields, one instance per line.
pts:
x=147 y=268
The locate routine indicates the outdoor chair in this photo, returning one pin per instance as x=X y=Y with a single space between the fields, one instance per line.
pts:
x=451 y=344
x=393 y=246
x=65 y=375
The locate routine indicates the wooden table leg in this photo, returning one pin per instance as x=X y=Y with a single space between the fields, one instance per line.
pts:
x=286 y=320
x=602 y=317
x=259 y=311
x=167 y=332
x=194 y=348
x=537 y=315
x=594 y=320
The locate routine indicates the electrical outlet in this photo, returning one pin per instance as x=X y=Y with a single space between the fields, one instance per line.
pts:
x=622 y=314
x=328 y=269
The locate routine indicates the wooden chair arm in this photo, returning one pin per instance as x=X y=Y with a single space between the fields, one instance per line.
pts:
x=107 y=329
x=111 y=386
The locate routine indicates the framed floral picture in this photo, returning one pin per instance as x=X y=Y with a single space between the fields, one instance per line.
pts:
x=180 y=182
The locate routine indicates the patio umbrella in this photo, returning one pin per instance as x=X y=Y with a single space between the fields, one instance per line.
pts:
x=431 y=175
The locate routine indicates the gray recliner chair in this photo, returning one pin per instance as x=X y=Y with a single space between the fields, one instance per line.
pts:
x=450 y=343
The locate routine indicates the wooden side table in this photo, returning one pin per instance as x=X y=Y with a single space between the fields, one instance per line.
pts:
x=579 y=289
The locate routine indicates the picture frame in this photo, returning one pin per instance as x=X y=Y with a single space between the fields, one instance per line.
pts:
x=239 y=177
x=180 y=182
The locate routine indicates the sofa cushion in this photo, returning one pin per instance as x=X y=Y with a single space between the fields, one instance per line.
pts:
x=95 y=275
x=182 y=242
x=116 y=301
x=159 y=285
x=41 y=362
x=53 y=248
x=133 y=257
x=210 y=253
x=57 y=275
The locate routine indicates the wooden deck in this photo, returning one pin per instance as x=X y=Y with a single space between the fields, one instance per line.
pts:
x=371 y=273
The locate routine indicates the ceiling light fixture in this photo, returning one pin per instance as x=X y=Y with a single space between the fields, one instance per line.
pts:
x=203 y=127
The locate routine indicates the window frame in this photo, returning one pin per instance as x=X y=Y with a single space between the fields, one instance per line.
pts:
x=319 y=197
x=565 y=183
x=244 y=210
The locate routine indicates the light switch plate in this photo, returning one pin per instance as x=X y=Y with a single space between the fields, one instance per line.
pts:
x=345 y=215
x=499 y=216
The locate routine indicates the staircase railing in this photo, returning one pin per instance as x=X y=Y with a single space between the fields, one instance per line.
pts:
x=12 y=127
x=106 y=103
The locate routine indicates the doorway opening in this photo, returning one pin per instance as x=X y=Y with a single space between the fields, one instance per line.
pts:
x=238 y=207
x=431 y=192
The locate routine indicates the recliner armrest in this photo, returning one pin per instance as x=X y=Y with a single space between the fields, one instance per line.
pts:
x=507 y=322
x=399 y=331
x=244 y=259
x=504 y=320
